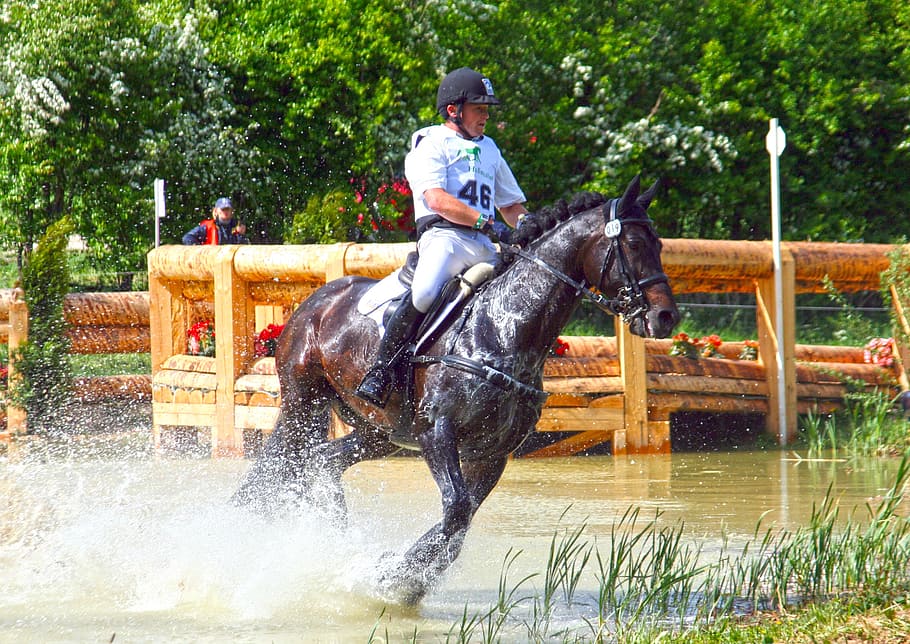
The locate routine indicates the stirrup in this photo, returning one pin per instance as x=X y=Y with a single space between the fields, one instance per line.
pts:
x=375 y=387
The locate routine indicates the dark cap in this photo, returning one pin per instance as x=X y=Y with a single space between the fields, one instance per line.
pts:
x=224 y=202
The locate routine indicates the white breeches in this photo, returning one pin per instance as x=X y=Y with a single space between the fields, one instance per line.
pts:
x=443 y=253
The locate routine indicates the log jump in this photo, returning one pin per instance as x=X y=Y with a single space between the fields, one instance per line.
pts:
x=622 y=390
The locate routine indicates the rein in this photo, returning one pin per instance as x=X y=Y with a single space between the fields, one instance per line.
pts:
x=630 y=302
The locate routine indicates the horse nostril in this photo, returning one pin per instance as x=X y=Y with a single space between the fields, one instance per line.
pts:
x=667 y=319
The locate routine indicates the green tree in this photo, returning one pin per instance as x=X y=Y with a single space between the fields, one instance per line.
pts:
x=93 y=108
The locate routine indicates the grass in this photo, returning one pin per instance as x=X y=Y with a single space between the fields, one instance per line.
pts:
x=833 y=578
x=110 y=364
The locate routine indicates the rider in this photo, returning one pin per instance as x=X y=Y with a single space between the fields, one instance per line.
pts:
x=458 y=176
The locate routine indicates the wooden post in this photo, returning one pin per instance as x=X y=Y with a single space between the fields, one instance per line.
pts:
x=16 y=422
x=632 y=365
x=168 y=322
x=266 y=315
x=161 y=323
x=768 y=339
x=235 y=318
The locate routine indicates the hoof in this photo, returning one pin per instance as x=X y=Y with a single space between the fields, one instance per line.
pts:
x=396 y=584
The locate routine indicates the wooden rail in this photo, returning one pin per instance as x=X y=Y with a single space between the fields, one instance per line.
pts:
x=628 y=401
x=622 y=390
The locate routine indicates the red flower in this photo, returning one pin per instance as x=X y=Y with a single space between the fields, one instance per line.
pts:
x=200 y=339
x=879 y=351
x=267 y=340
x=560 y=347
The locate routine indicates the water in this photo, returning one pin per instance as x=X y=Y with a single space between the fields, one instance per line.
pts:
x=144 y=549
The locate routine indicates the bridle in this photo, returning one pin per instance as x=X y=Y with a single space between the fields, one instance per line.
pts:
x=630 y=301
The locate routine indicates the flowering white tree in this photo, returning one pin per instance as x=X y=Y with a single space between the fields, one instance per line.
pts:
x=93 y=108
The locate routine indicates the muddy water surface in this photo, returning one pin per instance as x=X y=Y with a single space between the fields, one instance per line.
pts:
x=147 y=549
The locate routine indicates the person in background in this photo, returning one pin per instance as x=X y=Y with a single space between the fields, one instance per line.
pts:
x=460 y=179
x=222 y=228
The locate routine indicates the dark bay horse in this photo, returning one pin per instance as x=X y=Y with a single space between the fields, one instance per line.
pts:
x=476 y=389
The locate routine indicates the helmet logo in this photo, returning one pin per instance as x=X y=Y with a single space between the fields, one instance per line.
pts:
x=488 y=86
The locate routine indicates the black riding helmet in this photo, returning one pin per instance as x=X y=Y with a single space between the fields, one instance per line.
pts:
x=464 y=85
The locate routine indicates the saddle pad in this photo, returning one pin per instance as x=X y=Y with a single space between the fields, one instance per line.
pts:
x=376 y=300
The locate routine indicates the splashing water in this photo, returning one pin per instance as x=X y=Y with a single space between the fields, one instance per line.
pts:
x=146 y=549
x=90 y=548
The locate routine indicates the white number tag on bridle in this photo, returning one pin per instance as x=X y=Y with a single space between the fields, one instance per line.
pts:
x=613 y=228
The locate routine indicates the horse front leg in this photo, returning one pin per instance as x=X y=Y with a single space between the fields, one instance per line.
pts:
x=433 y=552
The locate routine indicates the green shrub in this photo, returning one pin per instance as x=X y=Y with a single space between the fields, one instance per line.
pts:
x=45 y=388
x=326 y=219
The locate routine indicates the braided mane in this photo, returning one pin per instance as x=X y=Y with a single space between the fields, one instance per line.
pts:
x=549 y=217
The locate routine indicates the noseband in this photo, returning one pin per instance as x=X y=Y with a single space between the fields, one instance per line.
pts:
x=630 y=302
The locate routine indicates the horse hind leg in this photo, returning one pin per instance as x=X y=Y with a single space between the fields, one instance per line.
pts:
x=284 y=470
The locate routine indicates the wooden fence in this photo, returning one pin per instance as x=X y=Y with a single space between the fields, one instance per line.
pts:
x=621 y=389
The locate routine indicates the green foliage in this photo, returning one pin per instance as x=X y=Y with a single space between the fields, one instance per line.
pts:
x=869 y=425
x=363 y=211
x=897 y=277
x=324 y=220
x=277 y=102
x=43 y=362
x=846 y=327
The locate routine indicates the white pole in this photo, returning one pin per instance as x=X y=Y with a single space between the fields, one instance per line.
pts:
x=159 y=209
x=775 y=143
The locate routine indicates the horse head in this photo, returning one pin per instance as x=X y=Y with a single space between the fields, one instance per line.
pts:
x=623 y=262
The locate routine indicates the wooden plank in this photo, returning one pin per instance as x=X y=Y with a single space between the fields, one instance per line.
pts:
x=185 y=414
x=123 y=387
x=263 y=366
x=576 y=419
x=609 y=402
x=673 y=402
x=264 y=399
x=162 y=393
x=569 y=400
x=184 y=362
x=185 y=380
x=745 y=369
x=109 y=339
x=262 y=418
x=838 y=372
x=257 y=382
x=581 y=385
x=107 y=309
x=708 y=385
x=572 y=445
x=581 y=366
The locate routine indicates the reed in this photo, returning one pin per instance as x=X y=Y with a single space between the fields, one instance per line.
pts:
x=653 y=584
x=869 y=425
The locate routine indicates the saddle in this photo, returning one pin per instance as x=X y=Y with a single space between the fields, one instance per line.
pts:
x=380 y=303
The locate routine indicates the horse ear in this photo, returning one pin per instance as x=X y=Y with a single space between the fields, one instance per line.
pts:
x=631 y=193
x=645 y=199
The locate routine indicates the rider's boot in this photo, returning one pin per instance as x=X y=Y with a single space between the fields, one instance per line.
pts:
x=400 y=328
